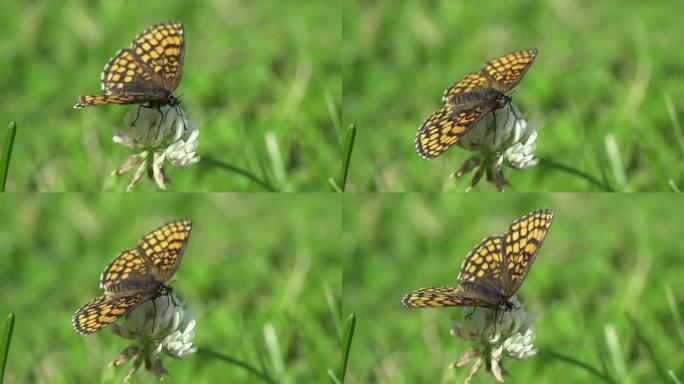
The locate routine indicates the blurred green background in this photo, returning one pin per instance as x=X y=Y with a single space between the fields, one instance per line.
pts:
x=607 y=259
x=252 y=262
x=252 y=70
x=606 y=90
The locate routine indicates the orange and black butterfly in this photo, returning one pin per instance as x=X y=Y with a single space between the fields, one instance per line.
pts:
x=147 y=72
x=470 y=99
x=135 y=276
x=494 y=270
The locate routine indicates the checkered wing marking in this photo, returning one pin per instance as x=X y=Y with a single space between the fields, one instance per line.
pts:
x=469 y=83
x=484 y=264
x=105 y=310
x=125 y=74
x=445 y=297
x=522 y=240
x=445 y=127
x=88 y=100
x=164 y=247
x=507 y=71
x=127 y=265
x=161 y=48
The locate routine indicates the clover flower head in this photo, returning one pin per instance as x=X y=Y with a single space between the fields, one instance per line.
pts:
x=502 y=138
x=160 y=136
x=510 y=333
x=158 y=326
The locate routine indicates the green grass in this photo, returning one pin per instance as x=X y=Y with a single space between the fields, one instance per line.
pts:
x=252 y=71
x=604 y=89
x=607 y=285
x=260 y=271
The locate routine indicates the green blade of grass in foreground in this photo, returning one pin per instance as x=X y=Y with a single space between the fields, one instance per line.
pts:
x=349 y=327
x=7 y=329
x=349 y=139
x=7 y=153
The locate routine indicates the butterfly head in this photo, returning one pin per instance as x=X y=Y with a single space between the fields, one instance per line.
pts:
x=506 y=305
x=503 y=100
x=172 y=101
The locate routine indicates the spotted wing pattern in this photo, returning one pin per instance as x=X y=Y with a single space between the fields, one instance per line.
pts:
x=507 y=71
x=88 y=100
x=468 y=100
x=445 y=126
x=164 y=247
x=105 y=309
x=161 y=48
x=149 y=71
x=127 y=265
x=484 y=263
x=469 y=83
x=492 y=271
x=445 y=297
x=522 y=240
x=125 y=74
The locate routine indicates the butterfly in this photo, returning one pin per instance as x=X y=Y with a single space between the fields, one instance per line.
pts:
x=494 y=270
x=146 y=72
x=470 y=99
x=135 y=276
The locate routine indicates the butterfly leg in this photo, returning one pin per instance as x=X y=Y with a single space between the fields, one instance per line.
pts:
x=136 y=116
x=179 y=111
x=470 y=314
x=154 y=313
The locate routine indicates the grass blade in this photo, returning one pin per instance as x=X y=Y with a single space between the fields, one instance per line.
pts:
x=234 y=361
x=239 y=171
x=572 y=361
x=349 y=327
x=349 y=140
x=649 y=349
x=8 y=143
x=562 y=167
x=7 y=329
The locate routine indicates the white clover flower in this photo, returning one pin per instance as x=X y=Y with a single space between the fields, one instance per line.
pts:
x=510 y=334
x=160 y=136
x=501 y=138
x=158 y=326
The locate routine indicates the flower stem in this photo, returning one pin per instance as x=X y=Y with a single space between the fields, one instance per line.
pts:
x=6 y=154
x=242 y=364
x=239 y=171
x=562 y=167
x=572 y=361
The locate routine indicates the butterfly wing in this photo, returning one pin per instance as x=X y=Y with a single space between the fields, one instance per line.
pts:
x=162 y=48
x=125 y=74
x=164 y=247
x=106 y=309
x=446 y=126
x=472 y=82
x=445 y=297
x=127 y=265
x=506 y=71
x=522 y=242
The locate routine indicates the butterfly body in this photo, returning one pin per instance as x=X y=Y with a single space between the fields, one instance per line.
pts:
x=494 y=270
x=470 y=99
x=136 y=276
